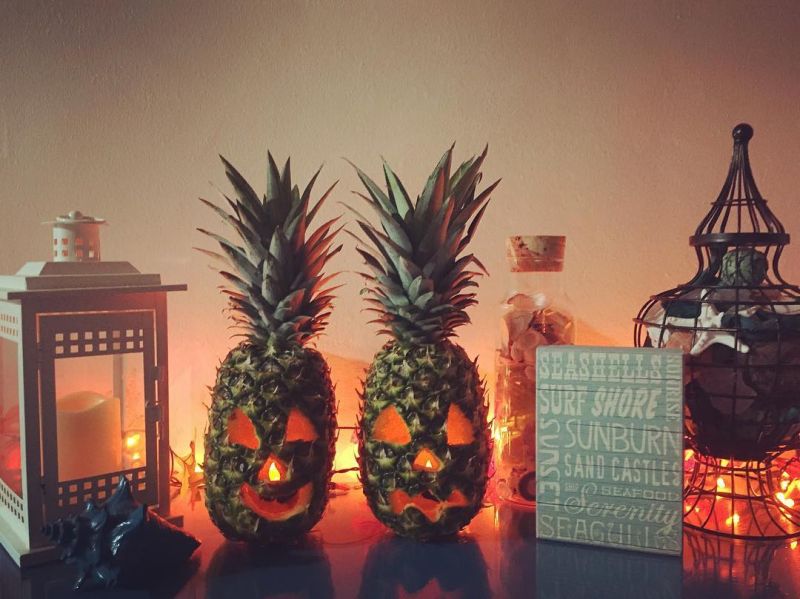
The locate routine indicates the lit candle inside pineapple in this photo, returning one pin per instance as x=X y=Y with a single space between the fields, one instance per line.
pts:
x=274 y=473
x=89 y=435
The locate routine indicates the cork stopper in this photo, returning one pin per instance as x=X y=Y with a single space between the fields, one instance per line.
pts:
x=536 y=253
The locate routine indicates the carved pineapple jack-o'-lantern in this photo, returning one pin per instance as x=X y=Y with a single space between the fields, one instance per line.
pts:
x=423 y=439
x=270 y=469
x=271 y=423
x=390 y=428
x=278 y=499
x=423 y=459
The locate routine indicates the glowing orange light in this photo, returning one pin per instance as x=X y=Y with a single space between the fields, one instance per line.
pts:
x=427 y=461
x=732 y=520
x=197 y=468
x=136 y=457
x=688 y=455
x=723 y=463
x=273 y=473
x=132 y=440
x=720 y=483
x=788 y=486
x=793 y=545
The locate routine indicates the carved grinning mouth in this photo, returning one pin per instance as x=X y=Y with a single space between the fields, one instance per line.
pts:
x=430 y=507
x=278 y=508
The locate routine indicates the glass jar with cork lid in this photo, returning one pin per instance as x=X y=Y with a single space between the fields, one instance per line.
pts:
x=534 y=312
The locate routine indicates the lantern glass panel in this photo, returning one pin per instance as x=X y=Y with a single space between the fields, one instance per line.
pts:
x=10 y=445
x=100 y=414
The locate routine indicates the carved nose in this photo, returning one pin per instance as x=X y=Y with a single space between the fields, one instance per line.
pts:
x=273 y=471
x=426 y=461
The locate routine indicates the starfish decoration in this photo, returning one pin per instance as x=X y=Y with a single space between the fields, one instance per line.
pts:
x=706 y=328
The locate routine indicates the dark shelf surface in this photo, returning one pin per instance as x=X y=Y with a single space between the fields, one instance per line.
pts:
x=350 y=555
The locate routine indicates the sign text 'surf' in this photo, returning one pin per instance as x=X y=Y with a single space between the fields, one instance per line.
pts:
x=609 y=447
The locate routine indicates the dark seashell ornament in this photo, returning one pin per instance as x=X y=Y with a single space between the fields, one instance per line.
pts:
x=120 y=542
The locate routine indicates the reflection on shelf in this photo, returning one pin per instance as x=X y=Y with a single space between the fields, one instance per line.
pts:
x=301 y=569
x=583 y=572
x=398 y=567
x=719 y=566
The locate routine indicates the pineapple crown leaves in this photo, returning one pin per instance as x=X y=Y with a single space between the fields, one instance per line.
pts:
x=419 y=282
x=273 y=270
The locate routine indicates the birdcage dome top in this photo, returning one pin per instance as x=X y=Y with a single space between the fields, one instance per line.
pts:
x=740 y=215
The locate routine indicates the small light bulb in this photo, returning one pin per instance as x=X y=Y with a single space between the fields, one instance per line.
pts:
x=732 y=520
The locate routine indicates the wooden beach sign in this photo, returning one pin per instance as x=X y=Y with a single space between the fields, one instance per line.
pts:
x=609 y=447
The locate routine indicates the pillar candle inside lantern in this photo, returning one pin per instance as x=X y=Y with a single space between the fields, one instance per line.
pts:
x=89 y=435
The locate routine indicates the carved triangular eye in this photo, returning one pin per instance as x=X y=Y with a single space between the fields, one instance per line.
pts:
x=459 y=428
x=299 y=427
x=241 y=430
x=389 y=427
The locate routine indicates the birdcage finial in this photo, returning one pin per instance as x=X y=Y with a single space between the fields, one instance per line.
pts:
x=742 y=133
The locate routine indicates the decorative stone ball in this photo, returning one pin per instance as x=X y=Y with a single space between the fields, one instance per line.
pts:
x=743 y=267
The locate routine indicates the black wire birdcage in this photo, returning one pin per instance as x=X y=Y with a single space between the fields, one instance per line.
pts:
x=738 y=322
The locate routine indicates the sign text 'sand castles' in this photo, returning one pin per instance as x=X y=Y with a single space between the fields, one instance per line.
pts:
x=609 y=434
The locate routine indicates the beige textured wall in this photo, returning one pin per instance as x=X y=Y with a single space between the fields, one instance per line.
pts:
x=608 y=122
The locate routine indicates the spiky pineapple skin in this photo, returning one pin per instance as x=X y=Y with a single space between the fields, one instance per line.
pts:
x=266 y=384
x=421 y=381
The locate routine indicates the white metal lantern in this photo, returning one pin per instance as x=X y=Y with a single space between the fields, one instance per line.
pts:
x=83 y=386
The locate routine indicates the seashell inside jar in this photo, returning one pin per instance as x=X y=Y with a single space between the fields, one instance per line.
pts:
x=534 y=312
